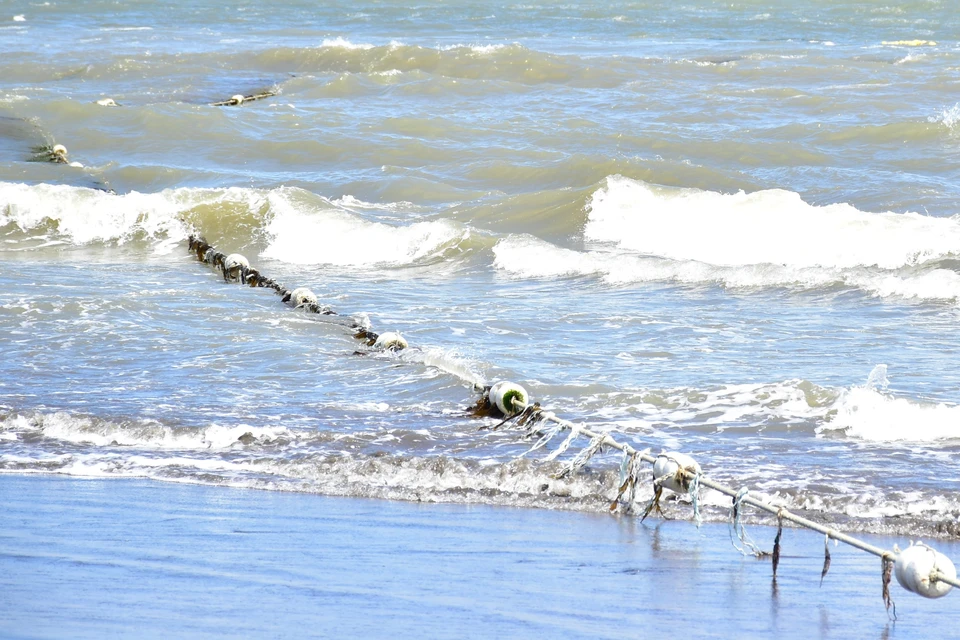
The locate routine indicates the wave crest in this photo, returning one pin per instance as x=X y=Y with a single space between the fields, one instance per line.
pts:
x=766 y=227
x=289 y=224
x=636 y=232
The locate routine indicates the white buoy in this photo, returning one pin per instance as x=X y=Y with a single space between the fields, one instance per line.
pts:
x=233 y=263
x=237 y=99
x=509 y=397
x=668 y=465
x=390 y=341
x=107 y=102
x=917 y=563
x=302 y=295
x=75 y=165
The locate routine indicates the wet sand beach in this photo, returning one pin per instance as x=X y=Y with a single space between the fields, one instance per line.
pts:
x=127 y=558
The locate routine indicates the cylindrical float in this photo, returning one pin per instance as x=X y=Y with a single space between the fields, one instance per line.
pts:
x=667 y=467
x=509 y=397
x=915 y=567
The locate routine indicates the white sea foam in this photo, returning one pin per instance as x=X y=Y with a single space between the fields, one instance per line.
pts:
x=911 y=57
x=481 y=49
x=342 y=43
x=529 y=257
x=948 y=117
x=447 y=361
x=318 y=233
x=861 y=412
x=938 y=284
x=766 y=227
x=486 y=49
x=83 y=430
x=868 y=412
x=736 y=406
x=350 y=202
x=305 y=229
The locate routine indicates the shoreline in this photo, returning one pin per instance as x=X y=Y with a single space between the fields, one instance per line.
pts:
x=85 y=558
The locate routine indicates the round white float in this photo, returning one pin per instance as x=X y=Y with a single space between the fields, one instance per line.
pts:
x=668 y=464
x=390 y=341
x=302 y=295
x=917 y=563
x=235 y=260
x=233 y=263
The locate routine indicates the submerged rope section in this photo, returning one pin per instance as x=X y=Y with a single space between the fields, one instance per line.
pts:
x=919 y=568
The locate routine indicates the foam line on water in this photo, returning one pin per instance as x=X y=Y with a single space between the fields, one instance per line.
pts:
x=524 y=256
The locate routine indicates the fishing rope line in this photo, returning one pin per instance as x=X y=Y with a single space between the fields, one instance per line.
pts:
x=919 y=568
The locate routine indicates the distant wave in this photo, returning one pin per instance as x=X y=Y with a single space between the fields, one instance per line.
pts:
x=506 y=62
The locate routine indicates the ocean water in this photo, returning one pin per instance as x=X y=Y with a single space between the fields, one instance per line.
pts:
x=729 y=230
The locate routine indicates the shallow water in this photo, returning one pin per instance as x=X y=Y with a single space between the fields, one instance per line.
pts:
x=730 y=231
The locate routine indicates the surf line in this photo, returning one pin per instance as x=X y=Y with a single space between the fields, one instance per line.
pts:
x=919 y=568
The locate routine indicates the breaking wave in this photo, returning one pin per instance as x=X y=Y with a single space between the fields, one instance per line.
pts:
x=869 y=412
x=771 y=227
x=288 y=224
x=643 y=233
x=463 y=465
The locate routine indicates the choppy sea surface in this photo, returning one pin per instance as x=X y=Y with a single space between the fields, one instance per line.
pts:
x=728 y=229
